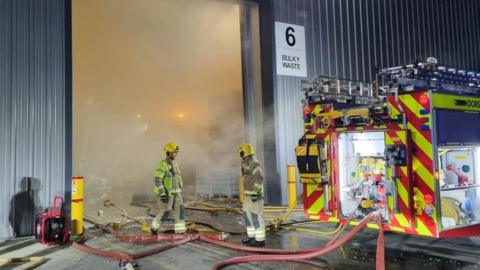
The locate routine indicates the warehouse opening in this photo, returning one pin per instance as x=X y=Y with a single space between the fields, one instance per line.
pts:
x=148 y=74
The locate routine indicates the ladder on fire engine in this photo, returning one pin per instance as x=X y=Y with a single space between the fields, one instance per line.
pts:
x=421 y=75
x=355 y=102
x=429 y=76
x=326 y=88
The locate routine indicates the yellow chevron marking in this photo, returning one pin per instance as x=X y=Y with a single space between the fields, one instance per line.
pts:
x=317 y=205
x=314 y=217
x=404 y=170
x=402 y=191
x=394 y=111
x=311 y=189
x=369 y=225
x=333 y=219
x=425 y=174
x=359 y=128
x=421 y=141
x=402 y=220
x=388 y=139
x=403 y=136
x=413 y=105
x=397 y=229
x=353 y=222
x=422 y=229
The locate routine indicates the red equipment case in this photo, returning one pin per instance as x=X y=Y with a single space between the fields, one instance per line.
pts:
x=51 y=225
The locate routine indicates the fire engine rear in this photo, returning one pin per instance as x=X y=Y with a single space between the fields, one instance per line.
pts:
x=406 y=145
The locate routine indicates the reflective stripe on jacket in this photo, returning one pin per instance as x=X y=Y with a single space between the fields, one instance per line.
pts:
x=167 y=178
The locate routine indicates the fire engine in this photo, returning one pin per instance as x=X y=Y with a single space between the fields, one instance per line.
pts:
x=406 y=145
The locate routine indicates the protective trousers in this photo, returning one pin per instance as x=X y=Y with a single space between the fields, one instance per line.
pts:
x=253 y=217
x=175 y=204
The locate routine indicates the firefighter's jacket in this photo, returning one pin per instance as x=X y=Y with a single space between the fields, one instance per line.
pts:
x=253 y=177
x=167 y=178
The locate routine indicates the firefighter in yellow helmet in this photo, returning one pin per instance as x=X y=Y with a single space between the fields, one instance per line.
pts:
x=253 y=197
x=168 y=185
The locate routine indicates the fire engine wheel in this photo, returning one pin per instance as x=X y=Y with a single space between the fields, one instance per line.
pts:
x=475 y=240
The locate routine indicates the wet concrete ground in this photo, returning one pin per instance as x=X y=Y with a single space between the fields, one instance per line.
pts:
x=402 y=251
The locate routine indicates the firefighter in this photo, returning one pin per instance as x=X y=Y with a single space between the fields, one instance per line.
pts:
x=168 y=186
x=253 y=200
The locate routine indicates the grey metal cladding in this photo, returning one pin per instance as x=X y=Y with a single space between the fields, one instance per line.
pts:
x=32 y=105
x=349 y=38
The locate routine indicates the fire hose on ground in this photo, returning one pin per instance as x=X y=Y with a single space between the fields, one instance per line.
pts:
x=127 y=256
x=271 y=254
x=332 y=245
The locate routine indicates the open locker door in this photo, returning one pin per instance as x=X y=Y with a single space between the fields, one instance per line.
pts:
x=398 y=173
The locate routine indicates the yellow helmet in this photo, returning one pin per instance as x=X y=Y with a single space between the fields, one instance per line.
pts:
x=245 y=150
x=170 y=148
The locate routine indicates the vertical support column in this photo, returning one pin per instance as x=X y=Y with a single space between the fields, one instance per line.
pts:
x=292 y=186
x=77 y=205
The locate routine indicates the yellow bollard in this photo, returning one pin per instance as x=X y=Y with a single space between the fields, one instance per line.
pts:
x=77 y=205
x=241 y=188
x=292 y=186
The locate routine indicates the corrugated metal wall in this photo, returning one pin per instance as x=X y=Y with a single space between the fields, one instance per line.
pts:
x=344 y=37
x=32 y=109
x=349 y=38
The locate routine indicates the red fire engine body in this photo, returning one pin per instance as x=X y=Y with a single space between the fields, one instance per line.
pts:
x=407 y=146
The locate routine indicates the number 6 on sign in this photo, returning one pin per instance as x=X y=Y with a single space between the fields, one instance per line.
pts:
x=290 y=49
x=289 y=36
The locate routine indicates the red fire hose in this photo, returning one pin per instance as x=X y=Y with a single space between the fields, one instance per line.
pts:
x=279 y=254
x=131 y=256
x=210 y=240
x=380 y=262
x=145 y=239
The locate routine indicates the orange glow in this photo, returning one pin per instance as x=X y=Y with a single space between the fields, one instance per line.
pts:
x=180 y=115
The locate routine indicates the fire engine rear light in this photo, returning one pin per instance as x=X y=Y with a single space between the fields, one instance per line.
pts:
x=423 y=99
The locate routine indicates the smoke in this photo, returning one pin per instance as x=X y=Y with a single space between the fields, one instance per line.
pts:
x=149 y=74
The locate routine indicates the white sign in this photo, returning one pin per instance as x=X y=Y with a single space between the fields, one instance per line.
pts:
x=290 y=47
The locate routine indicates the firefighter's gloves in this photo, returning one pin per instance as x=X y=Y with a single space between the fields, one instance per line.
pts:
x=164 y=198
x=160 y=191
x=256 y=197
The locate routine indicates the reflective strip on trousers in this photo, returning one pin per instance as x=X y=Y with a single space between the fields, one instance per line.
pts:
x=180 y=227
x=251 y=232
x=155 y=224
x=260 y=235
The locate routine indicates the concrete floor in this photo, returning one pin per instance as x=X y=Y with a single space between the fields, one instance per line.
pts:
x=402 y=251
